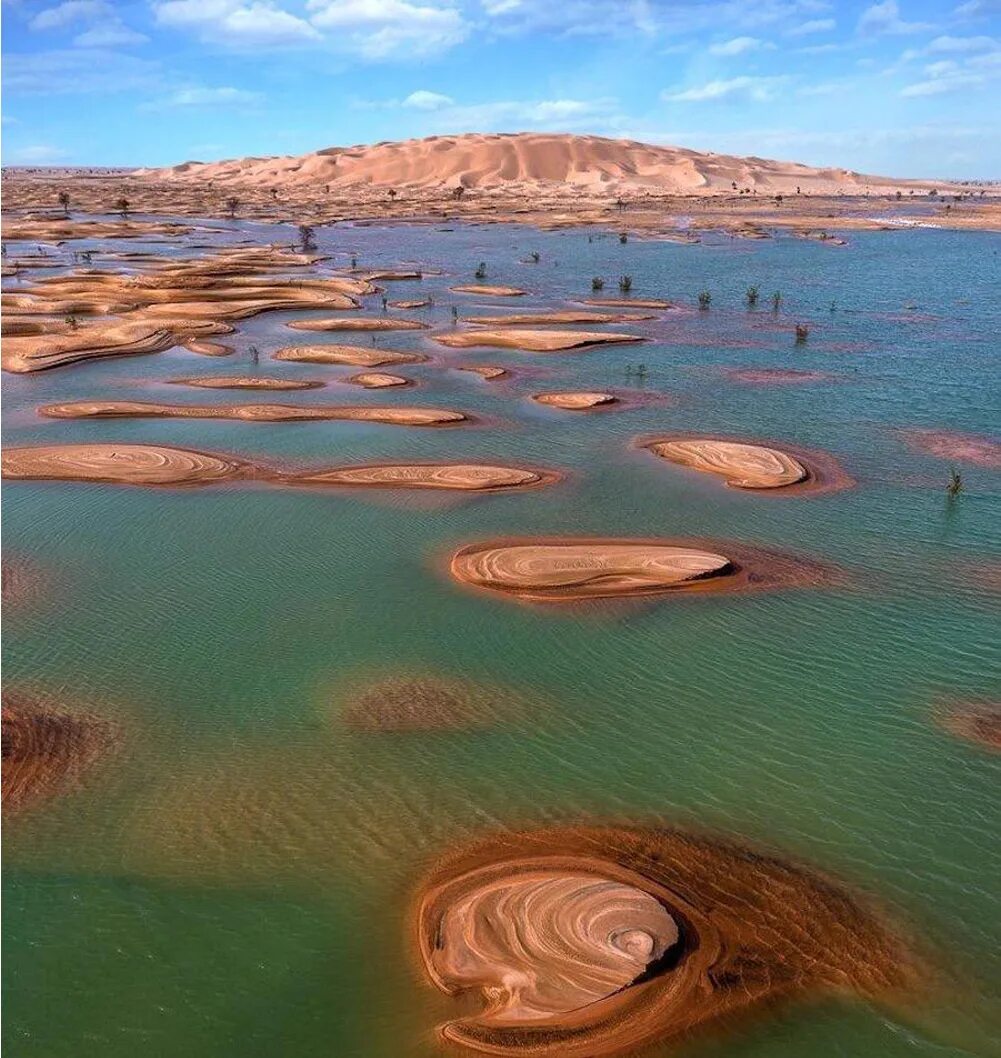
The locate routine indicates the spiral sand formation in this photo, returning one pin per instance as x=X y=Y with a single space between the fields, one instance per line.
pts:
x=463 y=477
x=578 y=569
x=353 y=355
x=599 y=941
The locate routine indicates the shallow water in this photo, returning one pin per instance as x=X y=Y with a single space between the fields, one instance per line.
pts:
x=236 y=880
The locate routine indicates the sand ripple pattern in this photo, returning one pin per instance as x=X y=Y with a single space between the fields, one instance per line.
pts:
x=550 y=942
x=125 y=464
x=586 y=570
x=534 y=341
x=598 y=940
x=745 y=466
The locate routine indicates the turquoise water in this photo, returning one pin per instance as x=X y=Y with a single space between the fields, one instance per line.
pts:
x=236 y=879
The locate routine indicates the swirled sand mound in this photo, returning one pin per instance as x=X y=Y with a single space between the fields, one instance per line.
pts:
x=124 y=409
x=580 y=401
x=533 y=341
x=978 y=722
x=206 y=348
x=960 y=447
x=333 y=323
x=542 y=319
x=753 y=466
x=246 y=382
x=488 y=291
x=88 y=342
x=416 y=303
x=429 y=703
x=378 y=380
x=46 y=751
x=123 y=464
x=743 y=466
x=462 y=477
x=576 y=569
x=353 y=355
x=598 y=941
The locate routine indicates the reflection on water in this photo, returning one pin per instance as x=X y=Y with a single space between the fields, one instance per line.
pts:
x=240 y=878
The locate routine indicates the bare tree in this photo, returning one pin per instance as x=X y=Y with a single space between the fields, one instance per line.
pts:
x=64 y=201
x=122 y=205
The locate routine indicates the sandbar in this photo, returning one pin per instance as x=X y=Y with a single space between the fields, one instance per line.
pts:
x=533 y=341
x=120 y=464
x=378 y=380
x=124 y=409
x=579 y=401
x=567 y=316
x=353 y=355
x=774 y=376
x=488 y=291
x=573 y=569
x=752 y=466
x=598 y=941
x=247 y=382
x=629 y=303
x=333 y=323
x=461 y=477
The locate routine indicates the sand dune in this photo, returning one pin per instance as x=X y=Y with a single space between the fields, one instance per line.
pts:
x=478 y=160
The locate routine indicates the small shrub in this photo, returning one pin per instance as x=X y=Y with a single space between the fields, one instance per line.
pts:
x=751 y=297
x=535 y=257
x=625 y=284
x=955 y=486
x=705 y=299
x=64 y=201
x=802 y=333
x=597 y=283
x=72 y=321
x=623 y=237
x=481 y=270
x=458 y=192
x=776 y=302
x=122 y=206
x=232 y=205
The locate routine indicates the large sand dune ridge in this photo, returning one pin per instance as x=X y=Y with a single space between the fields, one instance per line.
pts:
x=481 y=160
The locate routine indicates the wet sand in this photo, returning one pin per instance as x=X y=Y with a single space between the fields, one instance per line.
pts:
x=353 y=355
x=580 y=401
x=533 y=341
x=462 y=477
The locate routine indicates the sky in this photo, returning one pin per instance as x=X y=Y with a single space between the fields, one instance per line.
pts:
x=895 y=87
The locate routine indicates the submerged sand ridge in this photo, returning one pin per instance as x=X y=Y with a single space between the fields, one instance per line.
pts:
x=533 y=341
x=596 y=941
x=563 y=316
x=46 y=750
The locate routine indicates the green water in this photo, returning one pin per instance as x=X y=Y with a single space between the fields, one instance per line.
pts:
x=236 y=880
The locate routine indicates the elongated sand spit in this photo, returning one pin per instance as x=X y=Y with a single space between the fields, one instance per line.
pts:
x=335 y=323
x=598 y=941
x=246 y=382
x=488 y=291
x=533 y=341
x=124 y=409
x=121 y=464
x=352 y=355
x=378 y=380
x=462 y=477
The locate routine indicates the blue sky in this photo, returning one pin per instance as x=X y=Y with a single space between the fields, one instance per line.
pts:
x=901 y=87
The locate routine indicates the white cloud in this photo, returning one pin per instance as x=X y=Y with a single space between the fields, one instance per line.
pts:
x=947 y=44
x=815 y=25
x=382 y=29
x=884 y=18
x=67 y=13
x=257 y=23
x=109 y=35
x=37 y=154
x=560 y=115
x=210 y=97
x=424 y=100
x=76 y=71
x=738 y=46
x=757 y=89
